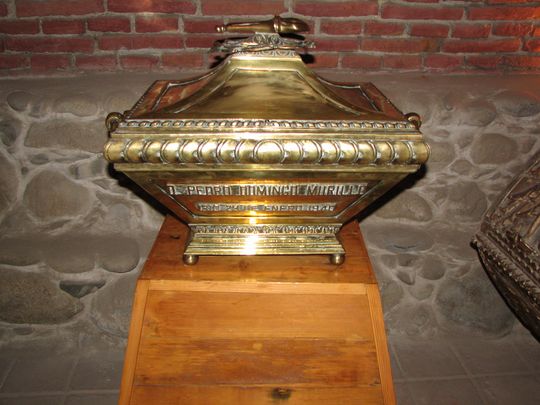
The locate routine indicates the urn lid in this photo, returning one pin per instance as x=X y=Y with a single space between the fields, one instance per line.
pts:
x=262 y=85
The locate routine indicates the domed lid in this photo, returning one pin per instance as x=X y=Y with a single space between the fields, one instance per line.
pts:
x=263 y=85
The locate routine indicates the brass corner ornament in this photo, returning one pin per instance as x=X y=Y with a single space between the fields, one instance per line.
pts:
x=260 y=156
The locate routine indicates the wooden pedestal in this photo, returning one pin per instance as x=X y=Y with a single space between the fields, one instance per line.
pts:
x=257 y=329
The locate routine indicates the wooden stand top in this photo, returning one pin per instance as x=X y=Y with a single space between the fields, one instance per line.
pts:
x=165 y=262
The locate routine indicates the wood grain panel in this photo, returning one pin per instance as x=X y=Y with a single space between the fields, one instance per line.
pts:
x=228 y=395
x=303 y=362
x=249 y=315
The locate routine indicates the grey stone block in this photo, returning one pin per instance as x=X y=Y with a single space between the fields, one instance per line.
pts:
x=510 y=389
x=427 y=359
x=98 y=371
x=33 y=400
x=444 y=392
x=482 y=356
x=39 y=375
x=92 y=399
x=493 y=149
x=80 y=104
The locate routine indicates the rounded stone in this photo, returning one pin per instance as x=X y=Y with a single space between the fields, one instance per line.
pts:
x=9 y=182
x=118 y=254
x=463 y=167
x=406 y=275
x=56 y=133
x=19 y=100
x=9 y=130
x=518 y=103
x=432 y=269
x=33 y=298
x=81 y=105
x=71 y=253
x=421 y=291
x=478 y=113
x=391 y=294
x=415 y=319
x=51 y=195
x=472 y=302
x=21 y=251
x=493 y=149
x=406 y=205
x=112 y=306
x=442 y=154
x=466 y=201
x=400 y=239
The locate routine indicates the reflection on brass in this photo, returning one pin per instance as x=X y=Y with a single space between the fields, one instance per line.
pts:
x=276 y=25
x=262 y=156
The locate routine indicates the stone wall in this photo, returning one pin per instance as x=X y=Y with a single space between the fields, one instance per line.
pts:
x=74 y=234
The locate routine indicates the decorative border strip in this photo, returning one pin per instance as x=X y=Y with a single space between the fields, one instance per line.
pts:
x=265 y=229
x=254 y=151
x=268 y=124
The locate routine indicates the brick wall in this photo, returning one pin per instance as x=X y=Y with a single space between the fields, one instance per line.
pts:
x=59 y=36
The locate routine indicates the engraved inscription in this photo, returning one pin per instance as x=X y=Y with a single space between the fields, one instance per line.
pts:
x=266 y=229
x=321 y=207
x=301 y=189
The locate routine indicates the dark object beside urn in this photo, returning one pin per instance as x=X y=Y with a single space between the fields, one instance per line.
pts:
x=509 y=245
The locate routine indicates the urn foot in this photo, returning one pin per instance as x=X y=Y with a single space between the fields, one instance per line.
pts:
x=191 y=259
x=337 y=258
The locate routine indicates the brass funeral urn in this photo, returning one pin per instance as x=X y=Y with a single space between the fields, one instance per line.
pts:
x=260 y=156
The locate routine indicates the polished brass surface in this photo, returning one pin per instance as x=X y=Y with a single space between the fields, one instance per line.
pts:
x=261 y=155
x=276 y=25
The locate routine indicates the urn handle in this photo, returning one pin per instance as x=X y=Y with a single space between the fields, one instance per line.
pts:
x=276 y=25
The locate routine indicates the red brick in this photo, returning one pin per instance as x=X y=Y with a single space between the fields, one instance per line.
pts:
x=527 y=62
x=421 y=13
x=504 y=13
x=471 y=30
x=536 y=32
x=156 y=24
x=402 y=62
x=430 y=30
x=512 y=29
x=151 y=6
x=62 y=26
x=422 y=1
x=506 y=1
x=336 y=8
x=3 y=10
x=443 y=62
x=532 y=45
x=366 y=62
x=183 y=60
x=335 y=44
x=502 y=45
x=33 y=44
x=484 y=62
x=31 y=8
x=12 y=61
x=44 y=63
x=14 y=27
x=138 y=62
x=322 y=60
x=201 y=41
x=115 y=42
x=201 y=26
x=398 y=45
x=109 y=24
x=383 y=28
x=93 y=62
x=243 y=7
x=338 y=27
